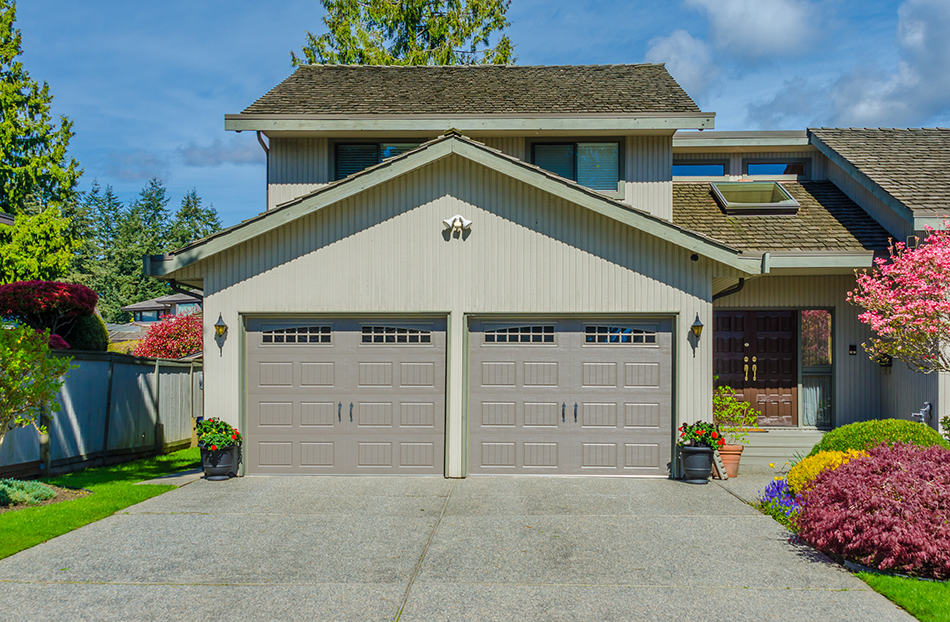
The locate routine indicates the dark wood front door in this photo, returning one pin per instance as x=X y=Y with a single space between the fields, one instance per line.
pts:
x=756 y=353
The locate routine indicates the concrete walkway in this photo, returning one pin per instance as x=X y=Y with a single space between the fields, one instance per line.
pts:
x=502 y=548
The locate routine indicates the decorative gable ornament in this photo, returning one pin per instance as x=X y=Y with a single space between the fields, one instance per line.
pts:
x=455 y=225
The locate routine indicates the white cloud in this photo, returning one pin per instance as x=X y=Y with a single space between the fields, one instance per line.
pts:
x=686 y=57
x=137 y=165
x=798 y=103
x=918 y=90
x=755 y=28
x=235 y=150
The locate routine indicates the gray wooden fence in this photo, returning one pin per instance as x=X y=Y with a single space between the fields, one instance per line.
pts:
x=113 y=407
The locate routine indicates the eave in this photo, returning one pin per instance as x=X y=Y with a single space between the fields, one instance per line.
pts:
x=523 y=124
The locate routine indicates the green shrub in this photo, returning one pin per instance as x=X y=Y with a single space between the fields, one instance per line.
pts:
x=866 y=434
x=88 y=332
x=17 y=492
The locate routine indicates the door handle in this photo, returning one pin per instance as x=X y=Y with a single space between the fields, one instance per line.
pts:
x=745 y=369
x=575 y=412
x=754 y=367
x=351 y=412
x=563 y=406
x=339 y=409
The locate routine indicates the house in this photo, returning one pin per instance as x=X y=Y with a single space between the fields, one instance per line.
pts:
x=484 y=270
x=155 y=309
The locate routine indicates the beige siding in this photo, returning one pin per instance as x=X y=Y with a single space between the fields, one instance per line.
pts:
x=648 y=174
x=857 y=381
x=528 y=252
x=896 y=225
x=296 y=166
x=513 y=146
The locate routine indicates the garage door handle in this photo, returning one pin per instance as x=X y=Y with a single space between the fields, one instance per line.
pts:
x=351 y=412
x=339 y=411
x=575 y=412
x=563 y=406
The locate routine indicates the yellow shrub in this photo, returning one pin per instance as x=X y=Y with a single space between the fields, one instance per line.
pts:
x=803 y=473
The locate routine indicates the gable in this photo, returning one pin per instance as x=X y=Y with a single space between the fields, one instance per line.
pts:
x=441 y=148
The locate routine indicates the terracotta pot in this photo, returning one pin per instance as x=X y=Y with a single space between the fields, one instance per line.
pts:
x=730 y=455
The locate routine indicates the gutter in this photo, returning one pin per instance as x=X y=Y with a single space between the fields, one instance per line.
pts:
x=732 y=289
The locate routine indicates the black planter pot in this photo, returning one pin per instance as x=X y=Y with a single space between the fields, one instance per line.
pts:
x=697 y=464
x=221 y=463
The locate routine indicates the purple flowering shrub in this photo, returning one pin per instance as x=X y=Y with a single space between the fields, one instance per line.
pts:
x=780 y=503
x=890 y=511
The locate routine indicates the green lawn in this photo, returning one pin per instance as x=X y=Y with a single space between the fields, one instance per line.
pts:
x=112 y=490
x=925 y=600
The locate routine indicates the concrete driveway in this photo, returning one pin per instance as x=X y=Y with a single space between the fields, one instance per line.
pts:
x=501 y=548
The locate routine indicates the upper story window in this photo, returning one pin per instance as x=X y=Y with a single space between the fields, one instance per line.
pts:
x=702 y=168
x=595 y=165
x=352 y=158
x=780 y=166
x=187 y=308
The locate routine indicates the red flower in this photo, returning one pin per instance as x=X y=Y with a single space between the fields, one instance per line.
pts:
x=700 y=432
x=234 y=436
x=214 y=448
x=715 y=435
x=722 y=442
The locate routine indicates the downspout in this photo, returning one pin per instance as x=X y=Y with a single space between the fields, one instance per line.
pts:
x=260 y=140
x=732 y=289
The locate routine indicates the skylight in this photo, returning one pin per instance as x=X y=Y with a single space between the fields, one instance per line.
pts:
x=753 y=197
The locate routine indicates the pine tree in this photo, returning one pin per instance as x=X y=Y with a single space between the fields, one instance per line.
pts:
x=33 y=160
x=192 y=222
x=410 y=32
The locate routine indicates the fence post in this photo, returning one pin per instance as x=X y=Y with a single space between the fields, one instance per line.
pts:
x=108 y=417
x=159 y=432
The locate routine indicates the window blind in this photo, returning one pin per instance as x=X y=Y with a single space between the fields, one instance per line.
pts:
x=598 y=165
x=353 y=158
x=559 y=159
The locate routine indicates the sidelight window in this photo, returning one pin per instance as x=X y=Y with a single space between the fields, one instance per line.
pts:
x=816 y=345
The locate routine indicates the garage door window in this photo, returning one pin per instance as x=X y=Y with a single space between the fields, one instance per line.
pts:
x=600 y=334
x=297 y=334
x=541 y=333
x=395 y=334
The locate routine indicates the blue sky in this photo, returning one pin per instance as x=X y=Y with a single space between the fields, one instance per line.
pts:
x=147 y=84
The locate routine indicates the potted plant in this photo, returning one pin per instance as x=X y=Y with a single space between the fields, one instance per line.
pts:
x=220 y=448
x=734 y=418
x=697 y=442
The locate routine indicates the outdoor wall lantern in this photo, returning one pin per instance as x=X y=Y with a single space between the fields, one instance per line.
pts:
x=457 y=225
x=220 y=328
x=696 y=328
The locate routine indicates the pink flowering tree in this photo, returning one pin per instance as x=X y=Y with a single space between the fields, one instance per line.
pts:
x=172 y=338
x=906 y=301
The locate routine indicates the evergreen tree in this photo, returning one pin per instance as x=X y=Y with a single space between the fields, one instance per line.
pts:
x=33 y=160
x=410 y=32
x=36 y=247
x=192 y=222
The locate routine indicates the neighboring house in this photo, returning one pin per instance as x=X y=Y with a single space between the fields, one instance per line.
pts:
x=476 y=270
x=173 y=304
x=6 y=219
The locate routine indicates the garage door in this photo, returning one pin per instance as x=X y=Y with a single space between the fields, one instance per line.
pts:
x=571 y=397
x=345 y=396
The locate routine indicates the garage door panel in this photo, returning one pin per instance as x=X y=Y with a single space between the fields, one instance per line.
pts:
x=368 y=396
x=594 y=398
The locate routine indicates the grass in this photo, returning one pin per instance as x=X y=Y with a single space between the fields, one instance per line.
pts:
x=925 y=600
x=113 y=489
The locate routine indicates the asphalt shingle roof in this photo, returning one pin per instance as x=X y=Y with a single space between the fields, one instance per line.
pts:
x=826 y=221
x=475 y=89
x=912 y=165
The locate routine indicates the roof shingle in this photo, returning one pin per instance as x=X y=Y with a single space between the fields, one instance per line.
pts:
x=912 y=165
x=475 y=89
x=826 y=221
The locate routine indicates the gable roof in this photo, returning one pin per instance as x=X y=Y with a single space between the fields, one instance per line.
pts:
x=475 y=90
x=164 y=302
x=911 y=165
x=444 y=146
x=827 y=220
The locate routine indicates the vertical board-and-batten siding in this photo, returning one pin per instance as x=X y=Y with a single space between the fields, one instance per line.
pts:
x=297 y=166
x=857 y=379
x=529 y=252
x=648 y=174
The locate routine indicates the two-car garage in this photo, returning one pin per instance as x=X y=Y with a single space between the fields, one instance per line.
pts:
x=348 y=395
